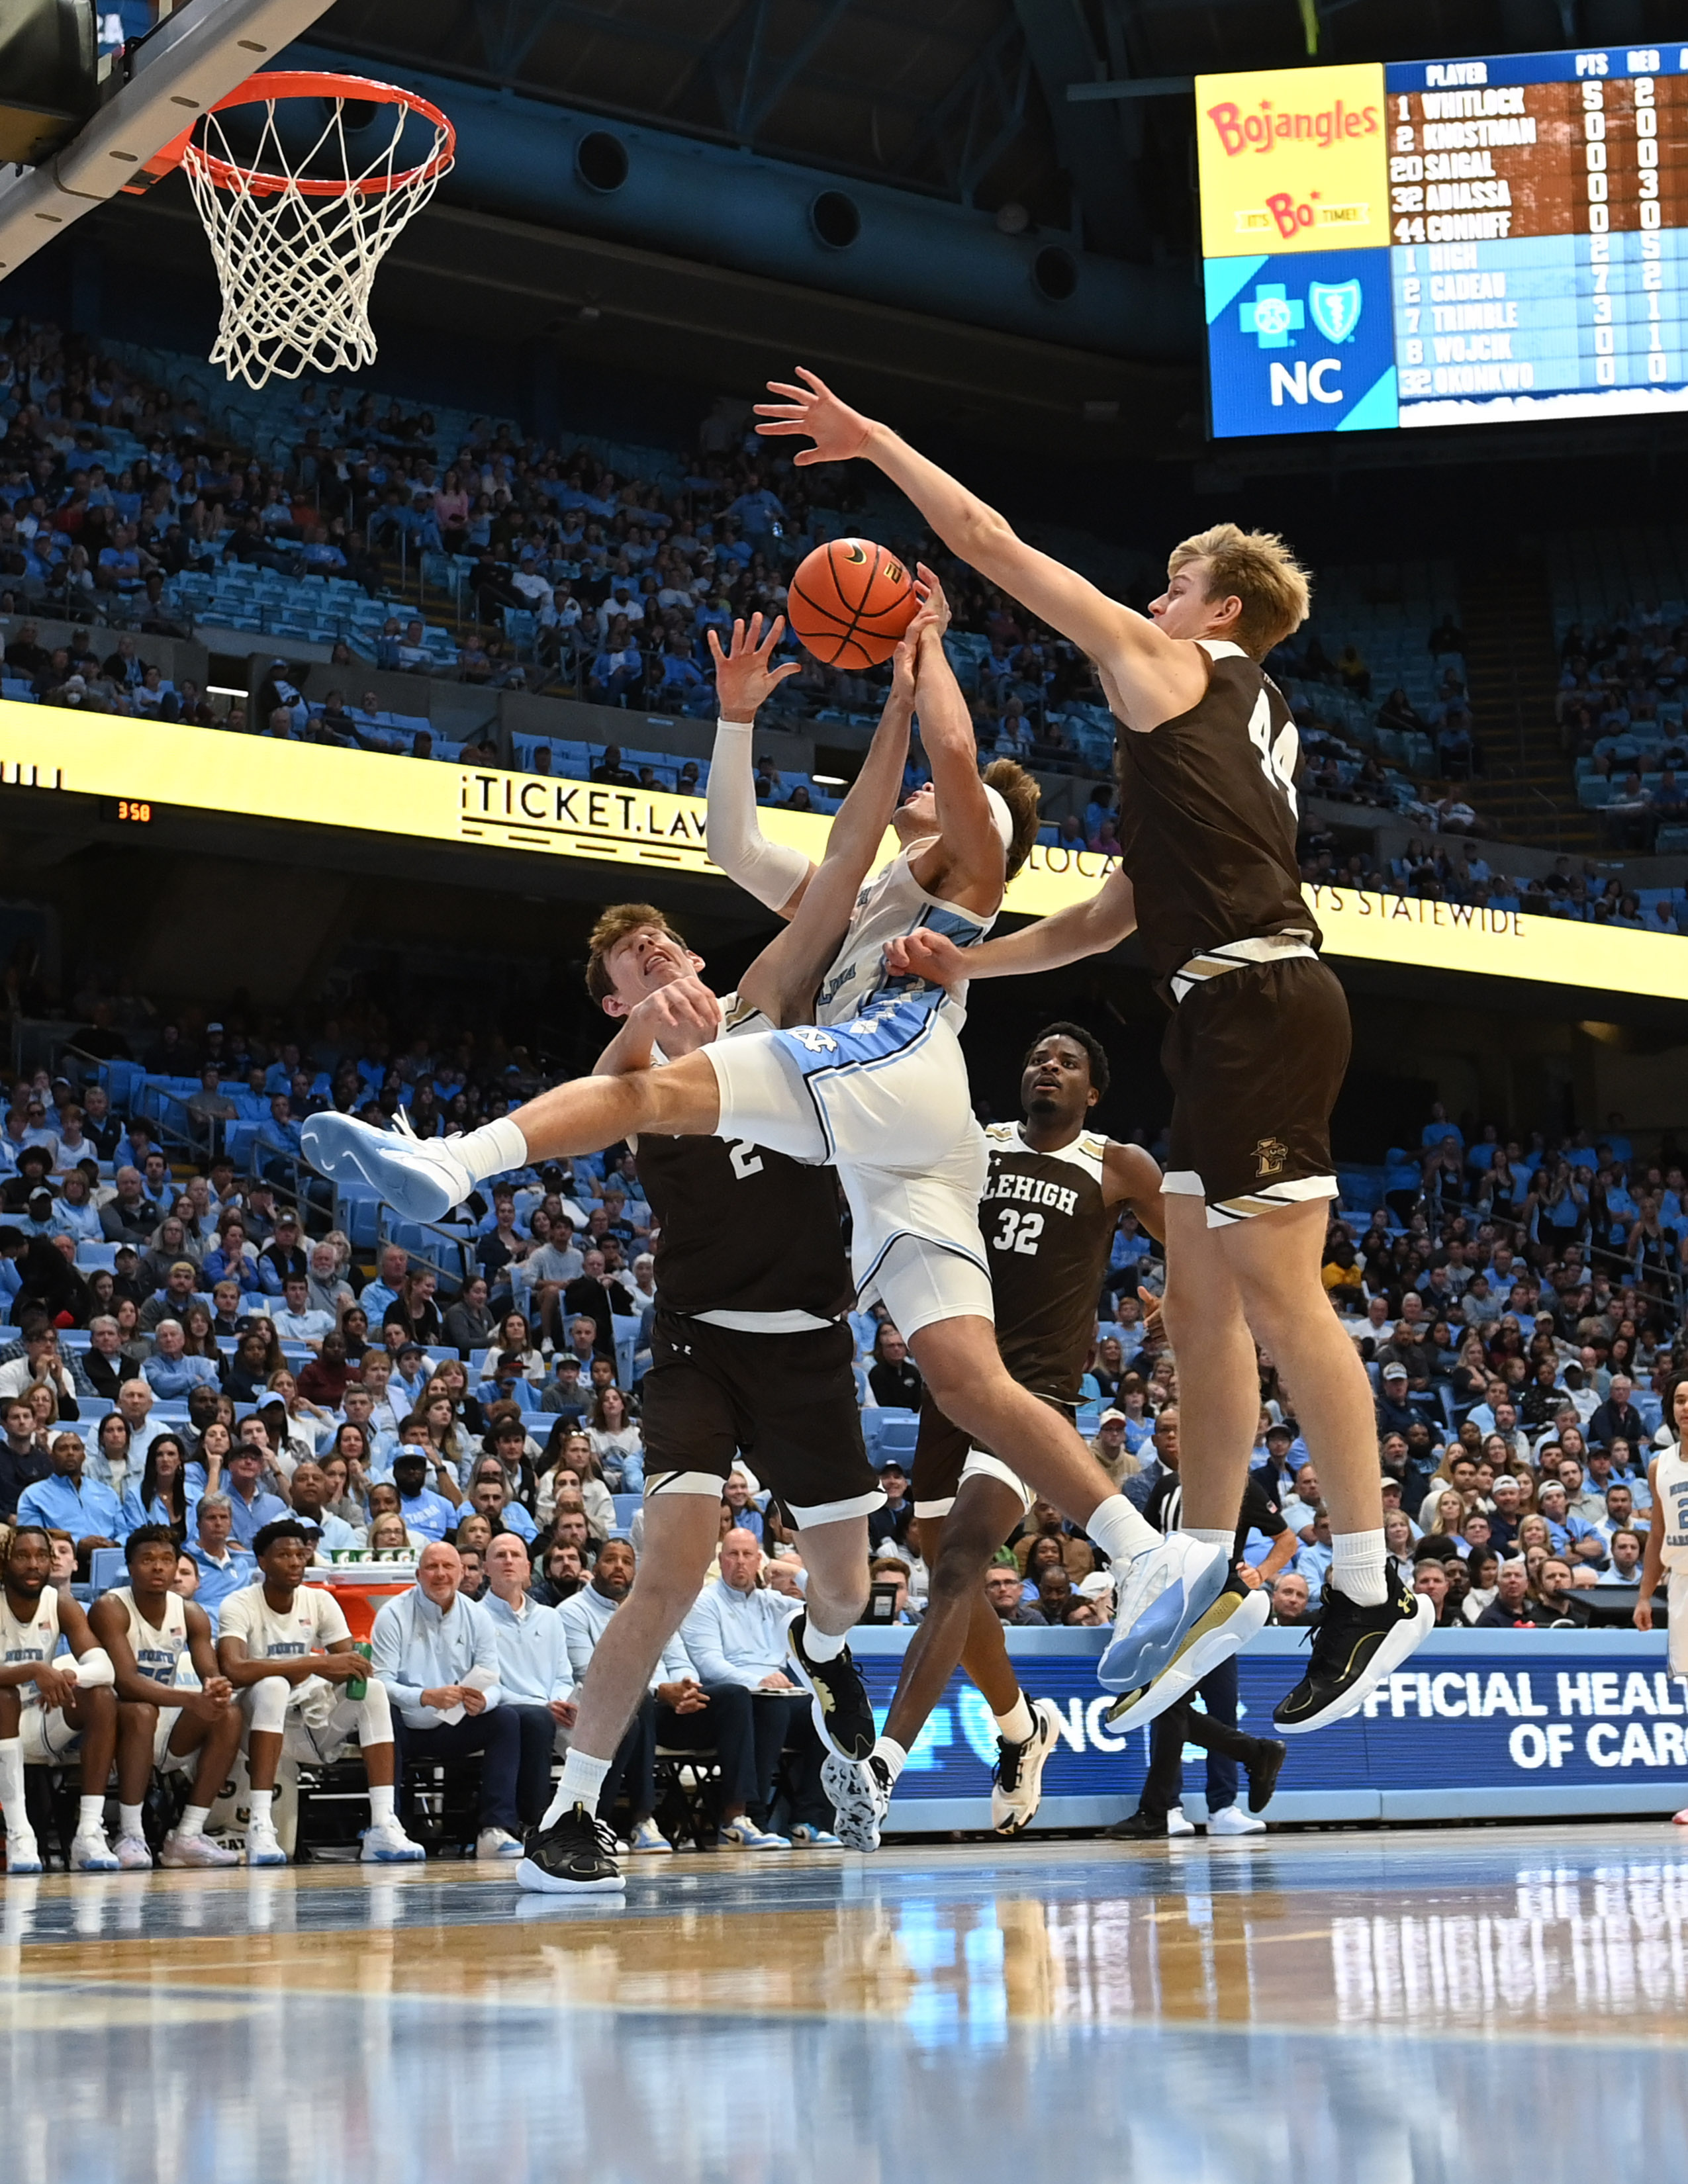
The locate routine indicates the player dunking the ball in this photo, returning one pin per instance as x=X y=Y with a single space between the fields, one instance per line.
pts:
x=1050 y=1205
x=862 y=1072
x=1257 y=1047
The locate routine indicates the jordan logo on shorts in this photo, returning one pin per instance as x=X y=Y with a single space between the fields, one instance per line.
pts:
x=1270 y=1154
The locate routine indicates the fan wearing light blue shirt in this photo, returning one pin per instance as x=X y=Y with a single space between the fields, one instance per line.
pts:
x=170 y=1373
x=534 y=1674
x=67 y=1502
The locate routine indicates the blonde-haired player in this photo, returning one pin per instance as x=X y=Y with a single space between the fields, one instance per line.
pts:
x=1257 y=1047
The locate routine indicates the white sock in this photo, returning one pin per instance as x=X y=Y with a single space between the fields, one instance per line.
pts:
x=260 y=1802
x=11 y=1786
x=1207 y=1538
x=1119 y=1531
x=1015 y=1726
x=382 y=1811
x=822 y=1645
x=495 y=1148
x=129 y=1820
x=582 y=1782
x=1358 y=1565
x=893 y=1754
x=91 y=1816
x=192 y=1822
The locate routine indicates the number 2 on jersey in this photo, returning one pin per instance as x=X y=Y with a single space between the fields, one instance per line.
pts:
x=746 y=1160
x=1018 y=1232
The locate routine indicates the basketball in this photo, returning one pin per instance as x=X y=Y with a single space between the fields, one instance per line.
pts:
x=850 y=603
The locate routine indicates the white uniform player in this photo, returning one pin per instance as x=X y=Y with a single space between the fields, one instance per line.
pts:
x=876 y=1086
x=318 y=1721
x=47 y=1735
x=158 y=1654
x=1670 y=1519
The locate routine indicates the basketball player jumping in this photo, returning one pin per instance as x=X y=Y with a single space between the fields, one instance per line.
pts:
x=1258 y=1044
x=867 y=1075
x=1048 y=1212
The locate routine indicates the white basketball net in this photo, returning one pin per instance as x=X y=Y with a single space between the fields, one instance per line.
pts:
x=296 y=260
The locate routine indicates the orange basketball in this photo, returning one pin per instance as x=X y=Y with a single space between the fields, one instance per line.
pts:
x=850 y=602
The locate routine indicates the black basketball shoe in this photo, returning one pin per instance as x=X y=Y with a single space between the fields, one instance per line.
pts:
x=1354 y=1649
x=575 y=1856
x=843 y=1717
x=1263 y=1770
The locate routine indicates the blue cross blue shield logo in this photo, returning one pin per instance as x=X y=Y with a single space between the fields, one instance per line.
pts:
x=1273 y=316
x=1336 y=307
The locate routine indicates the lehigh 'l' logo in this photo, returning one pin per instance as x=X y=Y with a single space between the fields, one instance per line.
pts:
x=1269 y=1155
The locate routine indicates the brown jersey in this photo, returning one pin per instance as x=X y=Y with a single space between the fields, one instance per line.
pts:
x=741 y=1229
x=1048 y=1232
x=1208 y=815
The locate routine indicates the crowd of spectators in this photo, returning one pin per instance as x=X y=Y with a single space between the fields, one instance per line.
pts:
x=189 y=1345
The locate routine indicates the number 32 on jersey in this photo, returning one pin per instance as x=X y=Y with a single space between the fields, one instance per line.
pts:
x=1016 y=1231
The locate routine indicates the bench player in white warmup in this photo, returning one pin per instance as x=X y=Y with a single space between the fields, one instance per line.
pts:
x=286 y=1648
x=1665 y=1554
x=1258 y=1047
x=161 y=1723
x=863 y=1072
x=52 y=1704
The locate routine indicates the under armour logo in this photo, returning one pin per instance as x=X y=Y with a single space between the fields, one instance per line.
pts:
x=1270 y=1154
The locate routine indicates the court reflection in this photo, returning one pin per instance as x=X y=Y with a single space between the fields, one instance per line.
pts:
x=1541 y=1947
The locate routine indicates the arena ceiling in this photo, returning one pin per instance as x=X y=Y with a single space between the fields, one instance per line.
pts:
x=962 y=98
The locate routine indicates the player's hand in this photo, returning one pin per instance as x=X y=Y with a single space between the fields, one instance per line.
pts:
x=1154 y=1324
x=685 y=1696
x=838 y=431
x=926 y=954
x=1249 y=1574
x=679 y=1018
x=209 y=1705
x=565 y=1713
x=57 y=1689
x=932 y=618
x=337 y=1668
x=743 y=675
x=1644 y=1615
x=774 y=1681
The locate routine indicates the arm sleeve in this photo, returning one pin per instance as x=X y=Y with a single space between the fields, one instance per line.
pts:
x=770 y=871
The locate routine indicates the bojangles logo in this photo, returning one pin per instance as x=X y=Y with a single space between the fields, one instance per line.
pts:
x=1269 y=125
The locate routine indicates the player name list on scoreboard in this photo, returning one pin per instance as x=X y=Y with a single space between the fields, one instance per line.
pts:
x=1528 y=213
x=1538 y=228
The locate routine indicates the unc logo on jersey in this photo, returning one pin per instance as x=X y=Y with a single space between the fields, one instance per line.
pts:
x=816 y=1041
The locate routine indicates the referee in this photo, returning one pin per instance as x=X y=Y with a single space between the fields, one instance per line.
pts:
x=1216 y=1730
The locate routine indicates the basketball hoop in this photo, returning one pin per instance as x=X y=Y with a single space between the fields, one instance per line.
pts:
x=298 y=235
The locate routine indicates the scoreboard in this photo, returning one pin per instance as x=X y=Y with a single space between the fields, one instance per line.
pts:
x=1446 y=242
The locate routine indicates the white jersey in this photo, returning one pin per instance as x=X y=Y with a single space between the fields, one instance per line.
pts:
x=33 y=1637
x=311 y=1625
x=158 y=1649
x=1670 y=1506
x=890 y=905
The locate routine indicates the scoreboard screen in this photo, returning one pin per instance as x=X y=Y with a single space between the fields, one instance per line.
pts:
x=1446 y=242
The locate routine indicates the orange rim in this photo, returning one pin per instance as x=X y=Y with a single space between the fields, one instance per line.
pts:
x=309 y=83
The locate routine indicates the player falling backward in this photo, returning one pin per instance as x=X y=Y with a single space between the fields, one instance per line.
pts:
x=864 y=1072
x=1048 y=1212
x=1257 y=1047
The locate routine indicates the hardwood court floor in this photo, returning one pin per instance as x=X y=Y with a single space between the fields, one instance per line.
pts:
x=1510 y=2004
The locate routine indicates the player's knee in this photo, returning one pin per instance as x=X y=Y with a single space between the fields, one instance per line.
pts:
x=270 y=1696
x=137 y=1718
x=375 y=1715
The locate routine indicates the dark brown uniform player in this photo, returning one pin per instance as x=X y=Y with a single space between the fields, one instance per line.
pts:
x=750 y=1352
x=1048 y=1216
x=1208 y=765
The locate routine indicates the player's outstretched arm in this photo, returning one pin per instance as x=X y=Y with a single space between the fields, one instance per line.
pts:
x=773 y=872
x=971 y=849
x=1083 y=929
x=782 y=981
x=1157 y=674
x=1132 y=1176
